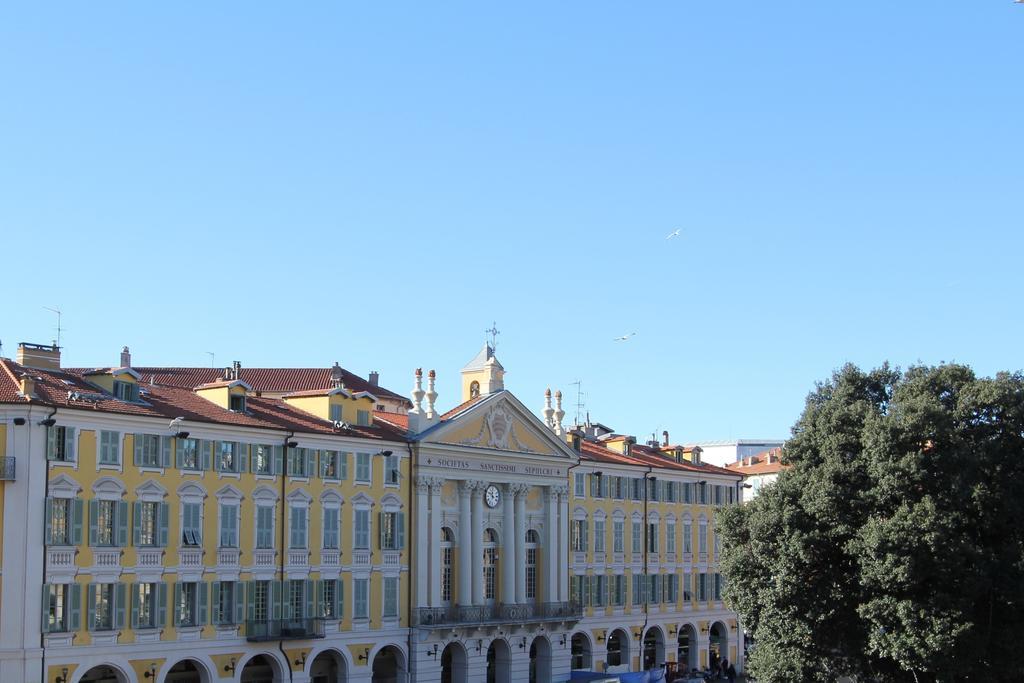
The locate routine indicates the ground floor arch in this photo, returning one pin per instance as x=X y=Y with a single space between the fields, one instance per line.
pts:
x=618 y=648
x=262 y=668
x=687 y=653
x=187 y=671
x=499 y=662
x=329 y=666
x=104 y=673
x=581 y=651
x=653 y=648
x=388 y=665
x=540 y=660
x=718 y=643
x=454 y=663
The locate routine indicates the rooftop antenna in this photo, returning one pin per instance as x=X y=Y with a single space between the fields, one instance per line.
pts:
x=579 y=400
x=493 y=332
x=59 y=328
x=212 y=356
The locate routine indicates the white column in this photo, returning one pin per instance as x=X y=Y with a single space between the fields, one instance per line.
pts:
x=550 y=556
x=510 y=558
x=563 y=542
x=520 y=529
x=436 y=524
x=424 y=567
x=465 y=544
x=478 y=543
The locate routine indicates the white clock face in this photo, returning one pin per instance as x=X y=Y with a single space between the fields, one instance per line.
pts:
x=492 y=495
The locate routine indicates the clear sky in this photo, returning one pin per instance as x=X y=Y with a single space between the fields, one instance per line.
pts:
x=298 y=183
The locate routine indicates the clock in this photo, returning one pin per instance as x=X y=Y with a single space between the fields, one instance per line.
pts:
x=492 y=496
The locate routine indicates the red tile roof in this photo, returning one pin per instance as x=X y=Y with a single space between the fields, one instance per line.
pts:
x=643 y=456
x=759 y=463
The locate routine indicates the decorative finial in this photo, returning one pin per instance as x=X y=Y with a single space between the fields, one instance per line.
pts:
x=548 y=410
x=431 y=396
x=417 y=393
x=559 y=413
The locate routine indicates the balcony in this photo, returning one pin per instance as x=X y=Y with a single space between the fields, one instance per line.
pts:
x=284 y=629
x=479 y=615
x=149 y=558
x=191 y=558
x=227 y=558
x=361 y=558
x=7 y=468
x=264 y=558
x=60 y=558
x=330 y=558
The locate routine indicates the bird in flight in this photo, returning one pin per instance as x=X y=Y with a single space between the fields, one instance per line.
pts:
x=624 y=337
x=674 y=233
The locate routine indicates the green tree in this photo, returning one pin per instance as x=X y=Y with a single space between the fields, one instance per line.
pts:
x=893 y=546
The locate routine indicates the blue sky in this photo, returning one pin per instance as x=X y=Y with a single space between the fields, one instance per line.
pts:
x=295 y=185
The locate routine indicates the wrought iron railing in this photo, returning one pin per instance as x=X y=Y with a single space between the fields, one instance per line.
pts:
x=284 y=629
x=455 y=615
x=7 y=468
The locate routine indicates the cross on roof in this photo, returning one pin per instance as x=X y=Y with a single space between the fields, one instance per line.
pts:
x=493 y=332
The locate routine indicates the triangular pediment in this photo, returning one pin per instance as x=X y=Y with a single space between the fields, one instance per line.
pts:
x=499 y=422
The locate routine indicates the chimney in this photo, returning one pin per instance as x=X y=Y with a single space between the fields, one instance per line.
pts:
x=374 y=378
x=28 y=385
x=664 y=436
x=236 y=370
x=126 y=358
x=576 y=437
x=627 y=445
x=336 y=375
x=39 y=356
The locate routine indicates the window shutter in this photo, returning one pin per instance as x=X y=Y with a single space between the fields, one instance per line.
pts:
x=45 y=614
x=239 y=602
x=243 y=457
x=120 y=598
x=216 y=617
x=165 y=451
x=276 y=596
x=133 y=596
x=90 y=606
x=339 y=598
x=94 y=507
x=175 y=612
x=201 y=616
x=325 y=457
x=75 y=607
x=137 y=524
x=400 y=531
x=162 y=517
x=203 y=460
x=69 y=444
x=76 y=522
x=250 y=599
x=48 y=532
x=586 y=589
x=179 y=453
x=380 y=529
x=161 y=605
x=278 y=463
x=310 y=603
x=137 y=449
x=51 y=443
x=216 y=456
x=343 y=457
x=310 y=463
x=122 y=524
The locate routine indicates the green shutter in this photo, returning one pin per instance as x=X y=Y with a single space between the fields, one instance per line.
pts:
x=310 y=604
x=243 y=456
x=94 y=507
x=343 y=469
x=51 y=443
x=165 y=451
x=161 y=605
x=203 y=459
x=339 y=597
x=310 y=463
x=122 y=524
x=120 y=599
x=137 y=449
x=90 y=606
x=133 y=595
x=276 y=591
x=137 y=523
x=201 y=616
x=380 y=529
x=175 y=612
x=48 y=532
x=278 y=461
x=75 y=609
x=69 y=444
x=400 y=531
x=250 y=599
x=179 y=453
x=216 y=617
x=45 y=614
x=239 y=602
x=162 y=517
x=76 y=521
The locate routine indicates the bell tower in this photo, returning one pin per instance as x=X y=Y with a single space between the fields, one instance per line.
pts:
x=483 y=375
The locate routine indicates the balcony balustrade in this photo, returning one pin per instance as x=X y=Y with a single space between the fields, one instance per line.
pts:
x=330 y=558
x=264 y=557
x=60 y=559
x=149 y=558
x=284 y=629
x=463 y=615
x=361 y=558
x=227 y=557
x=190 y=557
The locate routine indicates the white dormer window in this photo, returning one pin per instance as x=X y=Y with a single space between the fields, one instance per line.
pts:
x=126 y=391
x=237 y=403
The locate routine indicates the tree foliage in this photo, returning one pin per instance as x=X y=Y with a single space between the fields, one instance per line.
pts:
x=892 y=548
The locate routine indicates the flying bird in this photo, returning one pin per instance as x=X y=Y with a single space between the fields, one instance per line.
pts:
x=624 y=337
x=675 y=233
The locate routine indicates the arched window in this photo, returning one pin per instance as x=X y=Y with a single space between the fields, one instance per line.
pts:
x=490 y=564
x=474 y=389
x=447 y=542
x=580 y=651
x=532 y=539
x=617 y=649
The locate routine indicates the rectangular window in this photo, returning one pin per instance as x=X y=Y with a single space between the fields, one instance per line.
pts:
x=531 y=573
x=237 y=403
x=329 y=468
x=652 y=538
x=618 y=590
x=260 y=600
x=390 y=597
x=687 y=591
x=60 y=521
x=490 y=573
x=101 y=606
x=670 y=537
x=363 y=418
x=579 y=535
x=599 y=535
x=331 y=528
x=191 y=524
x=110 y=451
x=262 y=459
x=718 y=587
x=672 y=588
x=228 y=526
x=227 y=456
x=576 y=589
x=638 y=589
x=225 y=602
x=264 y=526
x=687 y=538
x=145 y=610
x=60 y=444
x=148 y=521
x=106 y=511
x=581 y=480
x=600 y=588
x=329 y=607
x=446 y=573
x=392 y=530
x=637 y=488
x=299 y=462
x=717 y=545
x=188 y=454
x=654 y=586
x=297 y=598
x=638 y=537
x=363 y=468
x=361 y=538
x=336 y=414
x=149 y=450
x=391 y=471
x=185 y=608
x=688 y=493
x=360 y=598
x=702 y=539
x=702 y=587
x=57 y=603
x=126 y=391
x=719 y=497
x=298 y=527
x=702 y=493
x=652 y=489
